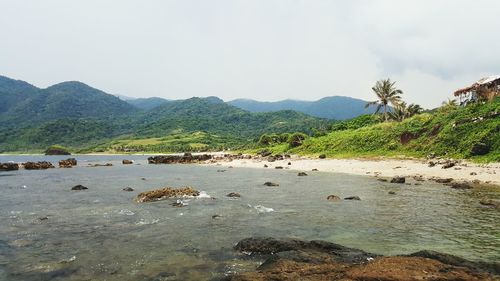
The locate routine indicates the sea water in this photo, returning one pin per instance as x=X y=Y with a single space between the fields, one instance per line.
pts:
x=49 y=232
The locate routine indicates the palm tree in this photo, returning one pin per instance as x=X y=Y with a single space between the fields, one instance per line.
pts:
x=401 y=111
x=387 y=94
x=448 y=105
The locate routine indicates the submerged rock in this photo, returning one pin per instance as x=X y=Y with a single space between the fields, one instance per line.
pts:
x=278 y=167
x=167 y=192
x=382 y=180
x=127 y=162
x=128 y=189
x=302 y=174
x=79 y=187
x=459 y=185
x=352 y=198
x=392 y=192
x=9 y=166
x=101 y=165
x=398 y=179
x=42 y=165
x=233 y=194
x=67 y=163
x=446 y=180
x=491 y=203
x=268 y=183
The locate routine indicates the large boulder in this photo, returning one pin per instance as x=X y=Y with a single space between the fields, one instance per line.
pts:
x=9 y=166
x=398 y=180
x=167 y=192
x=42 y=165
x=67 y=163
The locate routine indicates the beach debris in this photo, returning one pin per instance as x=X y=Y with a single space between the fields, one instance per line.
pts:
x=9 y=166
x=67 y=163
x=302 y=174
x=333 y=198
x=233 y=195
x=79 y=187
x=268 y=183
x=352 y=198
x=127 y=162
x=128 y=189
x=42 y=165
x=398 y=179
x=166 y=192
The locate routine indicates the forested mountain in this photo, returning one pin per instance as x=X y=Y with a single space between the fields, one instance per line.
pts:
x=147 y=103
x=335 y=107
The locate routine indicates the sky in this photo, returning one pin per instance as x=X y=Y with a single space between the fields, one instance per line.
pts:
x=266 y=50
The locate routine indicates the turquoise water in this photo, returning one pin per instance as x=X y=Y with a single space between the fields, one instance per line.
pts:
x=102 y=234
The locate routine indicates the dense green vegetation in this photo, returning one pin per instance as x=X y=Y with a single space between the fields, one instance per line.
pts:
x=451 y=131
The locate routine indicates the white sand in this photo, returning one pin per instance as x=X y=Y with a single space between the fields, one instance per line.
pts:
x=489 y=173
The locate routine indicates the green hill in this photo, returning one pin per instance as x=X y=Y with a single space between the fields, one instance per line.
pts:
x=464 y=132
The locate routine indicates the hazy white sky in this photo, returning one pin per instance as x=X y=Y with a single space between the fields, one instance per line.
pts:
x=259 y=49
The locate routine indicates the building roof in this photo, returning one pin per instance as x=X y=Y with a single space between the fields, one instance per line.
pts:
x=480 y=82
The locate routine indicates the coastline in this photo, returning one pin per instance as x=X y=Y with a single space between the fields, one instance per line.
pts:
x=463 y=171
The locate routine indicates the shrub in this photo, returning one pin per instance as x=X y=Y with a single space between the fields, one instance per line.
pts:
x=296 y=139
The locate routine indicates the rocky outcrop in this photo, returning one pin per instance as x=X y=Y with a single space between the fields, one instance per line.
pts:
x=9 y=166
x=68 y=163
x=42 y=165
x=187 y=158
x=167 y=192
x=127 y=162
x=292 y=259
x=398 y=180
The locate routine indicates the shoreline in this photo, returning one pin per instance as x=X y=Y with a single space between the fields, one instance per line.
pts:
x=383 y=168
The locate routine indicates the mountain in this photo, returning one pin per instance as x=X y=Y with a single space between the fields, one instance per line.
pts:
x=13 y=92
x=335 y=107
x=64 y=100
x=146 y=103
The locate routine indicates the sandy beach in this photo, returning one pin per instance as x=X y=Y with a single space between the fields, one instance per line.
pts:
x=463 y=171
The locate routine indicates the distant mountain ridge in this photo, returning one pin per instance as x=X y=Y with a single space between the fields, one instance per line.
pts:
x=334 y=107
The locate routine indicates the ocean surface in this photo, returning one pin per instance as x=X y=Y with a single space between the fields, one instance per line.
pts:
x=48 y=232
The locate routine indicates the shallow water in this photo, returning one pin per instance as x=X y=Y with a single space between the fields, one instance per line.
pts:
x=102 y=234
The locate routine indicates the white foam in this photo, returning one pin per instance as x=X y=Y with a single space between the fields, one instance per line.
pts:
x=126 y=212
x=262 y=209
x=146 y=222
x=203 y=194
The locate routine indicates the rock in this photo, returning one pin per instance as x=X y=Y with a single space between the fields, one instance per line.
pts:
x=68 y=163
x=265 y=166
x=431 y=164
x=382 y=180
x=479 y=149
x=293 y=259
x=9 y=166
x=419 y=178
x=79 y=187
x=233 y=195
x=333 y=198
x=167 y=192
x=268 y=183
x=352 y=198
x=491 y=203
x=446 y=180
x=278 y=167
x=392 y=192
x=271 y=159
x=459 y=185
x=289 y=163
x=216 y=216
x=473 y=173
x=128 y=189
x=448 y=165
x=322 y=156
x=187 y=158
x=398 y=179
x=265 y=153
x=221 y=171
x=100 y=165
x=56 y=151
x=42 y=165
x=314 y=170
x=302 y=174
x=127 y=162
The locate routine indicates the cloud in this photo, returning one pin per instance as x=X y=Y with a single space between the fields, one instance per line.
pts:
x=266 y=50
